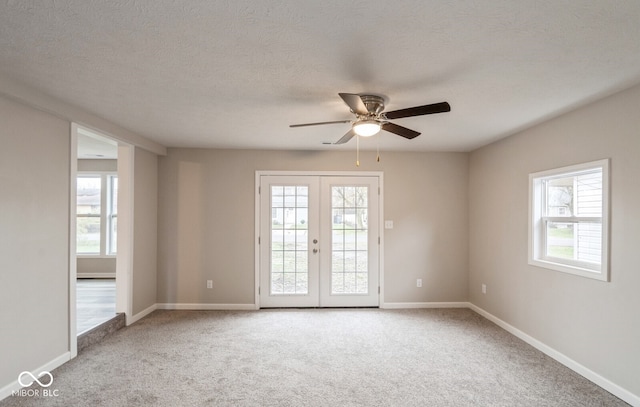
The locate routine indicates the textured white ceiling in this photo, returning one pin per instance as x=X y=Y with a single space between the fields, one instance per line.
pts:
x=236 y=74
x=94 y=146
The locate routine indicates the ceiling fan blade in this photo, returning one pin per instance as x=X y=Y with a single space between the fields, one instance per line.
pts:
x=319 y=123
x=399 y=130
x=354 y=102
x=419 y=110
x=346 y=137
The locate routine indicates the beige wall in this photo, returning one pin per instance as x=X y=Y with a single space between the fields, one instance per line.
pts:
x=206 y=221
x=98 y=165
x=594 y=323
x=145 y=230
x=94 y=267
x=34 y=239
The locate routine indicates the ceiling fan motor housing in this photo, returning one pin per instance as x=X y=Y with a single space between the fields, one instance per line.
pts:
x=374 y=104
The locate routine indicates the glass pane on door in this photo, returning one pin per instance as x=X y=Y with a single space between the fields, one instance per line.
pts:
x=289 y=240
x=350 y=239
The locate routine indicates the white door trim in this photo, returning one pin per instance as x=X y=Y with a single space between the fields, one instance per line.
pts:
x=257 y=223
x=124 y=262
x=73 y=254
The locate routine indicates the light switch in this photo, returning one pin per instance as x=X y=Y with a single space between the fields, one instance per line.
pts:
x=388 y=224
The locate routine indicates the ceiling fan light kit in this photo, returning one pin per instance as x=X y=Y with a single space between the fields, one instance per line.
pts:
x=366 y=128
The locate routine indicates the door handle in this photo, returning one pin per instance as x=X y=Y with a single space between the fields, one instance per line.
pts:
x=315 y=251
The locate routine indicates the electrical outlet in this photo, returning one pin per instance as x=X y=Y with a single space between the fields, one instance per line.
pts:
x=209 y=283
x=419 y=283
x=484 y=288
x=388 y=224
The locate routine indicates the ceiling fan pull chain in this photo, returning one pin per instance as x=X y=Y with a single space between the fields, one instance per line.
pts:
x=357 y=151
x=378 y=149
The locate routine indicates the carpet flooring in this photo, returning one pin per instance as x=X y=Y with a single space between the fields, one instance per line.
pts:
x=324 y=357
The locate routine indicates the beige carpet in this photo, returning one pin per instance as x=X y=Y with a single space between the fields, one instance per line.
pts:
x=359 y=357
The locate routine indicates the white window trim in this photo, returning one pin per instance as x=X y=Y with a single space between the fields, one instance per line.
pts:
x=105 y=214
x=536 y=224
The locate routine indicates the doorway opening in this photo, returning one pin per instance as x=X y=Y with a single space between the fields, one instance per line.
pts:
x=101 y=188
x=319 y=239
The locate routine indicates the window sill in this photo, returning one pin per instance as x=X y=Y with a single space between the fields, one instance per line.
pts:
x=565 y=268
x=96 y=256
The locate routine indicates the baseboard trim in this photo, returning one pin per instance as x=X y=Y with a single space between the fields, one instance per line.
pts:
x=412 y=305
x=207 y=307
x=137 y=317
x=95 y=275
x=587 y=373
x=7 y=390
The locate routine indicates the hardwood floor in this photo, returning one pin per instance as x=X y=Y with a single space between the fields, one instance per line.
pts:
x=96 y=302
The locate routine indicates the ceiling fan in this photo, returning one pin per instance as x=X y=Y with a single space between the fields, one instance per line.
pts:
x=371 y=118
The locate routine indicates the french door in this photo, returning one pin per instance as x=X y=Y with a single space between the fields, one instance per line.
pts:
x=319 y=241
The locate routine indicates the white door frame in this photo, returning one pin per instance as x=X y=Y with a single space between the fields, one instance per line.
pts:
x=73 y=254
x=257 y=218
x=124 y=257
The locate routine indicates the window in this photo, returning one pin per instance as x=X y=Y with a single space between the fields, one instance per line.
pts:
x=97 y=214
x=569 y=219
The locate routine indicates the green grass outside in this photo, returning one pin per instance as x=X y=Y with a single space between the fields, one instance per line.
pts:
x=563 y=252
x=561 y=232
